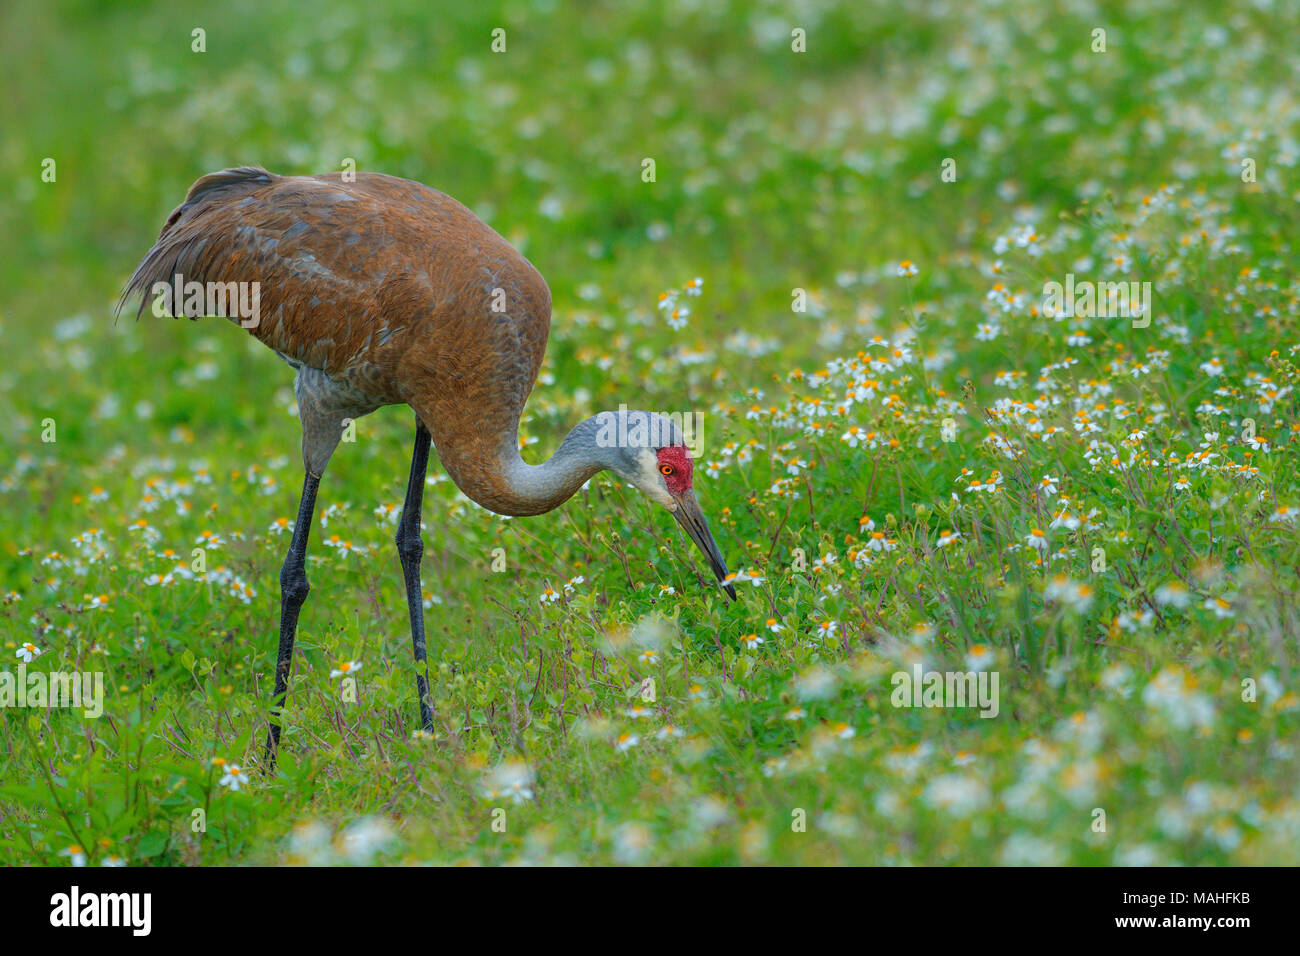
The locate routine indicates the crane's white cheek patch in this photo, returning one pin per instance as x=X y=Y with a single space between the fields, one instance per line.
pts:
x=651 y=482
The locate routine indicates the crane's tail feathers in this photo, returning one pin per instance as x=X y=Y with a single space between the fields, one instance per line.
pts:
x=178 y=249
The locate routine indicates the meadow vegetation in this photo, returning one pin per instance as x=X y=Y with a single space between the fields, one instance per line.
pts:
x=909 y=460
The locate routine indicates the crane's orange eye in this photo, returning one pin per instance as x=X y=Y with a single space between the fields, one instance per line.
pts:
x=665 y=469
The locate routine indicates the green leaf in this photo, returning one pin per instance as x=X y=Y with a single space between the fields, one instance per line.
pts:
x=151 y=845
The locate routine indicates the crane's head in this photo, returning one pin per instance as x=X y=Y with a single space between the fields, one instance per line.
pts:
x=650 y=453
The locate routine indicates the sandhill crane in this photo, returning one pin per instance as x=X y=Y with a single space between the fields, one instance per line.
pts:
x=382 y=291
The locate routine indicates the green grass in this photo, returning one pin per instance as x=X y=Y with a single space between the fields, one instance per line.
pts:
x=1172 y=710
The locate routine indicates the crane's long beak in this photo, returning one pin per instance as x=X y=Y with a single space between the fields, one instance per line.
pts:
x=691 y=518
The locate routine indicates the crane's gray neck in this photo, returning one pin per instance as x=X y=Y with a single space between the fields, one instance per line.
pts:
x=533 y=489
x=491 y=471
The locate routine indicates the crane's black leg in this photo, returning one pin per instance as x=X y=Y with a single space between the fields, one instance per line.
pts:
x=293 y=591
x=410 y=548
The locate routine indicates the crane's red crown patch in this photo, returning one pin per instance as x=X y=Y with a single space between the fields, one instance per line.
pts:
x=675 y=466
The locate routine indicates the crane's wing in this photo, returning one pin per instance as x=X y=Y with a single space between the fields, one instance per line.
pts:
x=385 y=284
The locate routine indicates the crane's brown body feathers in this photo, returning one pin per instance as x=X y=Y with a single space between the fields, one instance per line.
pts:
x=457 y=330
